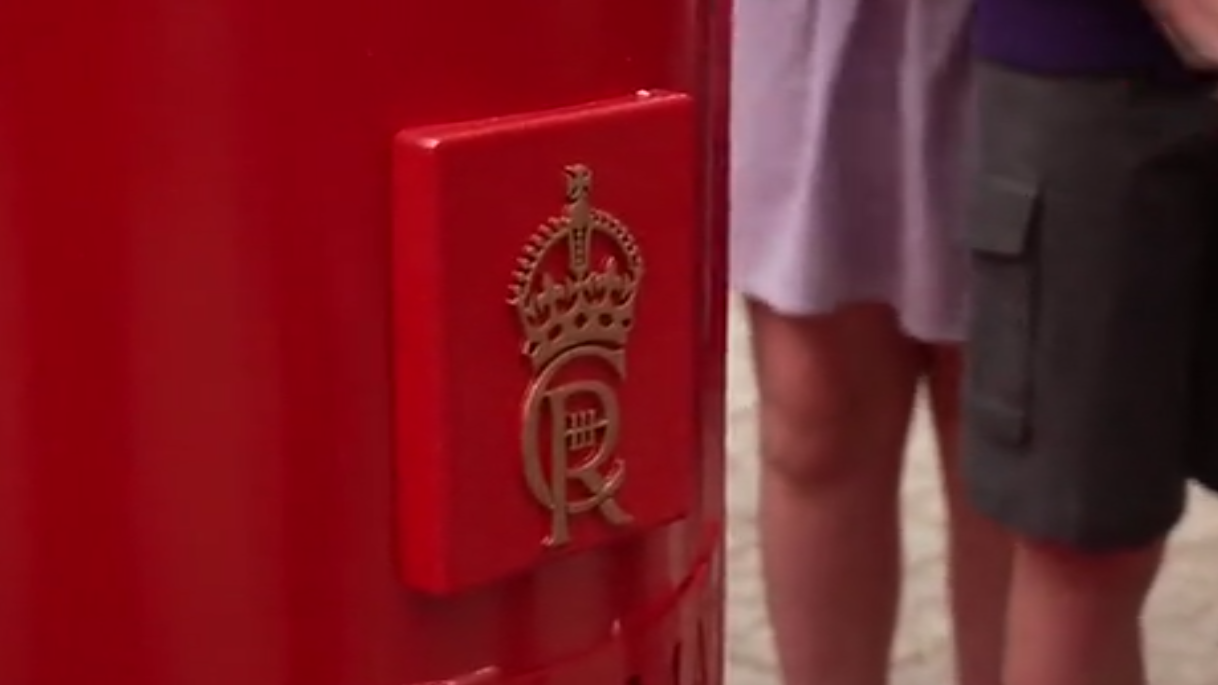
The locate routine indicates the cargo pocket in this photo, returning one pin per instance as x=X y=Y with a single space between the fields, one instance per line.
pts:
x=1002 y=216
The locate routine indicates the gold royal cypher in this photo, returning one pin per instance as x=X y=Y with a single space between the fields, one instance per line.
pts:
x=575 y=308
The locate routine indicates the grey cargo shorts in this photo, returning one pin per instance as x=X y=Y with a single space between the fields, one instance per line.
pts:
x=1091 y=384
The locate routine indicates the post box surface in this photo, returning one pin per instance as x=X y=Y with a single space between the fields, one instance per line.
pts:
x=374 y=342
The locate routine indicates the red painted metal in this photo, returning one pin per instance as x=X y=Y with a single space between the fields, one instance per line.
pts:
x=472 y=197
x=198 y=470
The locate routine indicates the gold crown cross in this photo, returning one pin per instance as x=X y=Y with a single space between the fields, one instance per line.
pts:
x=579 y=214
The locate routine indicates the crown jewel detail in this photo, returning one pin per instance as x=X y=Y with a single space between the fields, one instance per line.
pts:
x=591 y=299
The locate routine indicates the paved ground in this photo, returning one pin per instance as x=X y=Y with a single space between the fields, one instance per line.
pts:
x=1182 y=622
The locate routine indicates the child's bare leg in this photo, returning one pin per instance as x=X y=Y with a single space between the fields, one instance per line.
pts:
x=836 y=397
x=979 y=551
x=1076 y=617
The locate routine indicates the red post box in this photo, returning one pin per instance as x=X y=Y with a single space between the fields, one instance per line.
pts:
x=375 y=342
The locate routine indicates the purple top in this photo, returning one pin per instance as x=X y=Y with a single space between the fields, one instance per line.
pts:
x=1072 y=36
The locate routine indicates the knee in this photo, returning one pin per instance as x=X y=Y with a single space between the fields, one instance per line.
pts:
x=811 y=449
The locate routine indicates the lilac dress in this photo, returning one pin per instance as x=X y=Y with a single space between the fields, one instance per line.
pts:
x=848 y=121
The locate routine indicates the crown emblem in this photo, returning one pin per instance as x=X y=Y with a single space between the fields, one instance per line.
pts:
x=565 y=290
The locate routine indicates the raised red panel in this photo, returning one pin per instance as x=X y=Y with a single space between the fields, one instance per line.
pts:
x=545 y=283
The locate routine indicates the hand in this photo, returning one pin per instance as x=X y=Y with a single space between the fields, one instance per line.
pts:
x=1192 y=26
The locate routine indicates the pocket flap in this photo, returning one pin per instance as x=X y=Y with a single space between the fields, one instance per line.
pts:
x=1000 y=215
